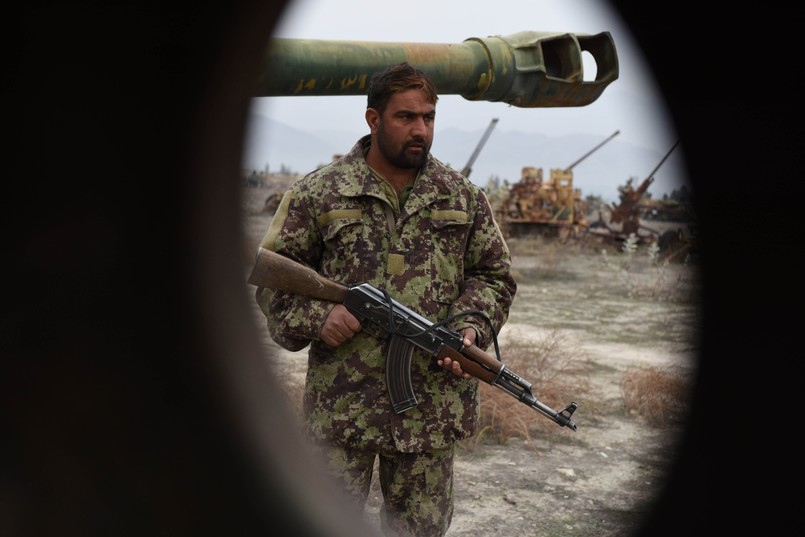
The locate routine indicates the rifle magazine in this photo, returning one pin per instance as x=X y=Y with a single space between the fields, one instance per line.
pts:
x=398 y=374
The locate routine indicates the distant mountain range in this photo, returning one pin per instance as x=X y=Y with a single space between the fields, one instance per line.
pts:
x=274 y=145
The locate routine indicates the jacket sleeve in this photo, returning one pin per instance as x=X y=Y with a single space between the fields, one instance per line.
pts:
x=488 y=286
x=293 y=320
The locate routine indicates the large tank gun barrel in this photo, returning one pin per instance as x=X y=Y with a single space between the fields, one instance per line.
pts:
x=526 y=69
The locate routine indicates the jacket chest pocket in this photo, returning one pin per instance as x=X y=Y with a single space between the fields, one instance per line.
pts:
x=343 y=233
x=447 y=243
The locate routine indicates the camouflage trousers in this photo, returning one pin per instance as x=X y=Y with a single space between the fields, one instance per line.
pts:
x=417 y=487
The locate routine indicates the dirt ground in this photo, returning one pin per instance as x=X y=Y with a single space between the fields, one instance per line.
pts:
x=620 y=314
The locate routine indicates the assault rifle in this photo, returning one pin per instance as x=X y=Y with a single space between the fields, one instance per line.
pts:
x=384 y=317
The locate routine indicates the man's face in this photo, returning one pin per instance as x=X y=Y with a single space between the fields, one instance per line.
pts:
x=405 y=130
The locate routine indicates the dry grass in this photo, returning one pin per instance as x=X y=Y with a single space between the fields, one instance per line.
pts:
x=557 y=374
x=659 y=396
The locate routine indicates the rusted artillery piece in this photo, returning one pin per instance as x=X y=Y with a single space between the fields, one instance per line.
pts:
x=553 y=207
x=627 y=213
x=674 y=244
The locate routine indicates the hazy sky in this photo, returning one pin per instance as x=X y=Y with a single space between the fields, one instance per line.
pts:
x=632 y=104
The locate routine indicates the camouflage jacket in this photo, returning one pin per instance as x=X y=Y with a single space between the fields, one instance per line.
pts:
x=440 y=255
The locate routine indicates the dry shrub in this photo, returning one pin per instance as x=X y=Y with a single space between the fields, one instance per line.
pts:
x=658 y=395
x=557 y=376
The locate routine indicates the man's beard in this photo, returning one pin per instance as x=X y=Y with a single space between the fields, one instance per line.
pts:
x=402 y=159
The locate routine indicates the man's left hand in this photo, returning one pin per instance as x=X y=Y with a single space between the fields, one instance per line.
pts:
x=453 y=365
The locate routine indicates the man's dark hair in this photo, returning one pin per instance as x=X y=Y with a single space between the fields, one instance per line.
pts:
x=395 y=79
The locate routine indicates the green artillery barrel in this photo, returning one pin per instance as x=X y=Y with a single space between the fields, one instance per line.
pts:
x=526 y=69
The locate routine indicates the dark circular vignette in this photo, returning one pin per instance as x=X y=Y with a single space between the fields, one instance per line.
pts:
x=132 y=398
x=722 y=75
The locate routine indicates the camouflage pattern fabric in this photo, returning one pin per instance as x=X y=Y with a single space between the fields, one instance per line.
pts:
x=441 y=254
x=417 y=487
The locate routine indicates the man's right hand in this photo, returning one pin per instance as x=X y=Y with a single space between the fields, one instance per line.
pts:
x=339 y=326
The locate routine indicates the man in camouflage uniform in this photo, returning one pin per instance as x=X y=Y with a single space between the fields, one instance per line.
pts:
x=390 y=214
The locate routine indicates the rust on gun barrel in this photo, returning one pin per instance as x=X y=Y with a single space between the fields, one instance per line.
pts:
x=527 y=69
